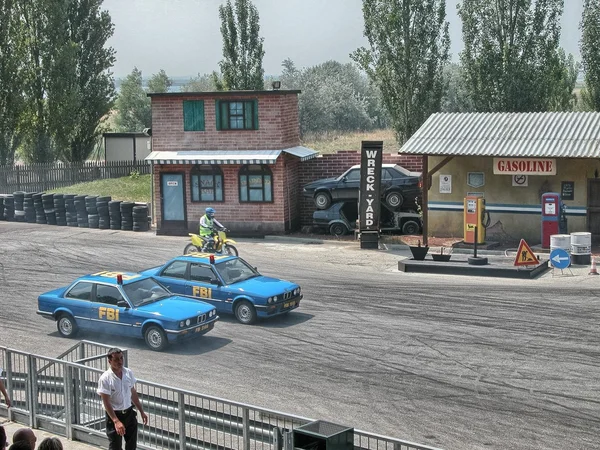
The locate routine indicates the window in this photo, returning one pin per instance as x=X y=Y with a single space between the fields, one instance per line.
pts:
x=176 y=269
x=237 y=115
x=81 y=291
x=256 y=183
x=193 y=115
x=207 y=184
x=108 y=294
x=201 y=273
x=353 y=175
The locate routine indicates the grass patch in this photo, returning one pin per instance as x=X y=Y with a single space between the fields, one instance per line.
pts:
x=333 y=142
x=131 y=189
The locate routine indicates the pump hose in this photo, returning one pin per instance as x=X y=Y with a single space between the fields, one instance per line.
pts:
x=486 y=219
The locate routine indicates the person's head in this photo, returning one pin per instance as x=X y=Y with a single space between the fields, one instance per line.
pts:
x=25 y=435
x=20 y=445
x=3 y=441
x=210 y=212
x=50 y=443
x=115 y=358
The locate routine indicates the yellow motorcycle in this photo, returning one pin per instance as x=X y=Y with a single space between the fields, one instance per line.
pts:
x=220 y=245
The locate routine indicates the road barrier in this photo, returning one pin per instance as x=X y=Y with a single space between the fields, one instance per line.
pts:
x=59 y=395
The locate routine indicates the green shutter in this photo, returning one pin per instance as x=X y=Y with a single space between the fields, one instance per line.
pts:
x=248 y=115
x=222 y=114
x=255 y=115
x=218 y=114
x=193 y=115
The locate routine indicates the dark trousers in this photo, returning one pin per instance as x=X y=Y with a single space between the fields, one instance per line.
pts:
x=129 y=420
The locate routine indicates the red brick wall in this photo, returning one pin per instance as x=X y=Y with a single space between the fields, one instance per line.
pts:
x=277 y=122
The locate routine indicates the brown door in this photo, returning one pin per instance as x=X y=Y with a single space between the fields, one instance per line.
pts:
x=593 y=208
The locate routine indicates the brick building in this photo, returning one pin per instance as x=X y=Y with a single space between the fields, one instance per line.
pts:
x=239 y=152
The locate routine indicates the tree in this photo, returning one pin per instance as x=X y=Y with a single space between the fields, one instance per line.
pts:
x=409 y=45
x=241 y=67
x=456 y=97
x=133 y=105
x=590 y=54
x=512 y=59
x=159 y=82
x=12 y=101
x=200 y=83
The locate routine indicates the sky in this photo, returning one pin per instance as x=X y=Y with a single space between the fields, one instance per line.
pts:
x=183 y=36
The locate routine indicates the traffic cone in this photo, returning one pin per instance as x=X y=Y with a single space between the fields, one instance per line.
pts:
x=593 y=270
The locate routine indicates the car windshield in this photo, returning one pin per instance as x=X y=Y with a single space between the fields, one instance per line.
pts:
x=236 y=270
x=145 y=291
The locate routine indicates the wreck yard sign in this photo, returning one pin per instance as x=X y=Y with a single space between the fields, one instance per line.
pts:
x=524 y=166
x=370 y=185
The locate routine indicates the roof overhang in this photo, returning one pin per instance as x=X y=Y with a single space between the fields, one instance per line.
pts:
x=222 y=157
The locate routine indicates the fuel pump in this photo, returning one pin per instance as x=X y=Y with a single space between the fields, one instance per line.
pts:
x=475 y=215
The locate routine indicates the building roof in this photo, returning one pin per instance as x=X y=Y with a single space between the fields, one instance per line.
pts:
x=550 y=134
x=228 y=156
x=222 y=93
x=128 y=134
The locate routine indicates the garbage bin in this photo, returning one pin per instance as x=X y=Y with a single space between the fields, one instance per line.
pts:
x=322 y=435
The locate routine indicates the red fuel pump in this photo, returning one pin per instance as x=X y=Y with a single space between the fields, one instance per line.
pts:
x=550 y=216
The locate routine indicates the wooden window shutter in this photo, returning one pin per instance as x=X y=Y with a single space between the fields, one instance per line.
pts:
x=218 y=114
x=255 y=115
x=193 y=115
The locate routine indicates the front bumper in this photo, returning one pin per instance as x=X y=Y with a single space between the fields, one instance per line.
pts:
x=191 y=332
x=279 y=308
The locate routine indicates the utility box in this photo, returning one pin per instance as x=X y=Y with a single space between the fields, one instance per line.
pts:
x=321 y=435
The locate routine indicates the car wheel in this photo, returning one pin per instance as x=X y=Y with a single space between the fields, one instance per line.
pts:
x=410 y=227
x=66 y=325
x=156 y=338
x=245 y=312
x=190 y=248
x=322 y=200
x=338 y=229
x=231 y=250
x=394 y=199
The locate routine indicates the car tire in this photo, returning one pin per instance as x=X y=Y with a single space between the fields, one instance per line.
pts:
x=245 y=312
x=190 y=248
x=231 y=250
x=410 y=227
x=394 y=200
x=156 y=338
x=66 y=325
x=322 y=200
x=338 y=229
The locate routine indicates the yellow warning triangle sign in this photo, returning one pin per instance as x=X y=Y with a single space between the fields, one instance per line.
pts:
x=525 y=256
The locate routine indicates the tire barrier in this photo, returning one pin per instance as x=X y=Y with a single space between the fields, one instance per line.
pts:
x=83 y=211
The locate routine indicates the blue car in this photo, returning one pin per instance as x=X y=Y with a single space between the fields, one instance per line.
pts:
x=127 y=304
x=230 y=284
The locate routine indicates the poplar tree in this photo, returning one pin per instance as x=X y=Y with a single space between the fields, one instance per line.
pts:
x=241 y=66
x=590 y=54
x=408 y=49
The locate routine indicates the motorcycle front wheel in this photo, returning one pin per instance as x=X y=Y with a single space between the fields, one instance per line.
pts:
x=231 y=250
x=190 y=248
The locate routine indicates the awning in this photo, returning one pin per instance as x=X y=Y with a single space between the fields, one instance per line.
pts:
x=228 y=156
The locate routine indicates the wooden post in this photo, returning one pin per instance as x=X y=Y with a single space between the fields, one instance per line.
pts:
x=424 y=207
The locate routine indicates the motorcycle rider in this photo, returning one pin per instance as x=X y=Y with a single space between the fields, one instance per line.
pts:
x=208 y=227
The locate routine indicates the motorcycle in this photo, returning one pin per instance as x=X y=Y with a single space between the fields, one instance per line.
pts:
x=220 y=245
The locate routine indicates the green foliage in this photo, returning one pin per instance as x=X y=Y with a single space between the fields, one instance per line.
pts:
x=408 y=47
x=130 y=189
x=134 y=174
x=200 y=83
x=590 y=54
x=512 y=59
x=159 y=82
x=456 y=96
x=241 y=67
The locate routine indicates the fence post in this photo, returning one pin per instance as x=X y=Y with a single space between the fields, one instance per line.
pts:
x=246 y=428
x=69 y=400
x=182 y=435
x=18 y=179
x=9 y=382
x=31 y=390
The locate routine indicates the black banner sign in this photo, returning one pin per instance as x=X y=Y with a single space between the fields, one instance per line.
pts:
x=567 y=190
x=370 y=185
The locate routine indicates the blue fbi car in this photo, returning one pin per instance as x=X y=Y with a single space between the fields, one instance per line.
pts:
x=127 y=304
x=230 y=284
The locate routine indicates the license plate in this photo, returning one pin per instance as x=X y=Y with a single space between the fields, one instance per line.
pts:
x=289 y=304
x=202 y=328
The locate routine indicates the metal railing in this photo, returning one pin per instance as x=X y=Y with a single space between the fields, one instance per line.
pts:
x=59 y=395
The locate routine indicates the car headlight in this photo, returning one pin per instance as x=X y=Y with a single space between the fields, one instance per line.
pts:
x=181 y=324
x=297 y=291
x=188 y=323
x=211 y=313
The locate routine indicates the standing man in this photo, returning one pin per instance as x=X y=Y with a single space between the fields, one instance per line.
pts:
x=116 y=386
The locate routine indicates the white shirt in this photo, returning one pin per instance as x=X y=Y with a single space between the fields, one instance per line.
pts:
x=119 y=389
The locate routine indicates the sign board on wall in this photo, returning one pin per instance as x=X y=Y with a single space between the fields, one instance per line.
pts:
x=567 y=190
x=520 y=180
x=524 y=166
x=370 y=185
x=445 y=184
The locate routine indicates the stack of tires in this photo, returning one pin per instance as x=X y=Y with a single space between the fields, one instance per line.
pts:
x=140 y=218
x=114 y=211
x=126 y=216
x=38 y=206
x=28 y=207
x=48 y=207
x=9 y=208
x=103 y=213
x=92 y=211
x=60 y=210
x=70 y=211
x=19 y=196
x=82 y=215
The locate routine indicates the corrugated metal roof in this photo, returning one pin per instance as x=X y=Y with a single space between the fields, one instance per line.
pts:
x=550 y=134
x=227 y=156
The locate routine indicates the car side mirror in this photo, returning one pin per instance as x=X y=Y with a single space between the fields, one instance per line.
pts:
x=215 y=282
x=123 y=304
x=344 y=179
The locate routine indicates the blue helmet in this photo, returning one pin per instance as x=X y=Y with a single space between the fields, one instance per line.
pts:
x=210 y=212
